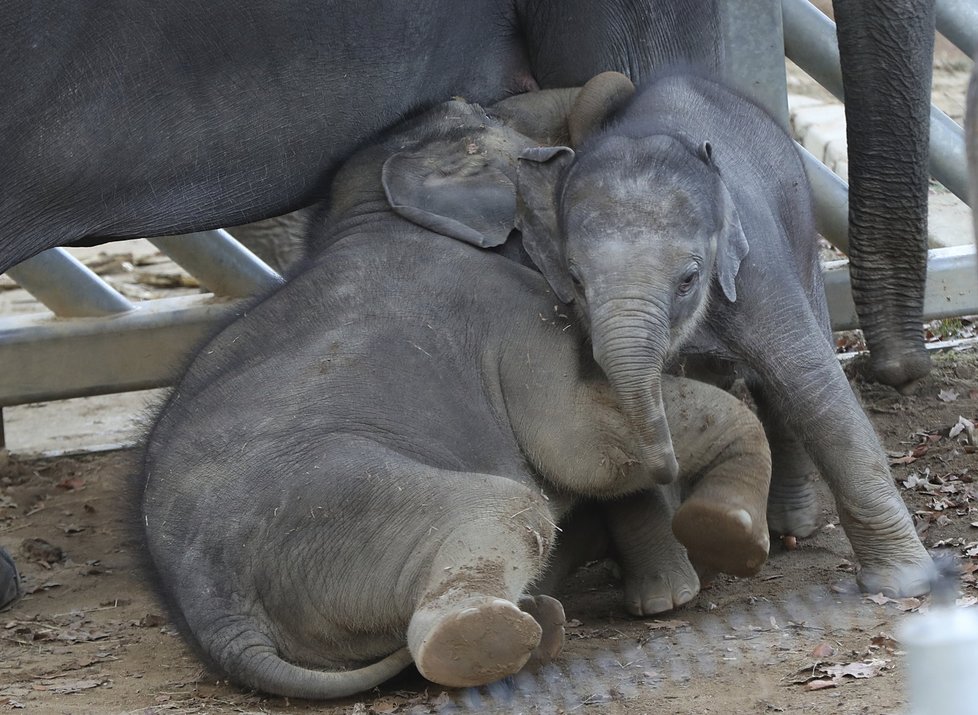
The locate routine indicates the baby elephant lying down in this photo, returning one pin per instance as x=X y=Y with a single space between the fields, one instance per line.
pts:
x=366 y=468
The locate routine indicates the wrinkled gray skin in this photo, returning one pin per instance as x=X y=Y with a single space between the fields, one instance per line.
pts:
x=10 y=589
x=279 y=241
x=122 y=118
x=333 y=493
x=686 y=222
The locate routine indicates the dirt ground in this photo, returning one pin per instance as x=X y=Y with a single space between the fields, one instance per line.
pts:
x=89 y=637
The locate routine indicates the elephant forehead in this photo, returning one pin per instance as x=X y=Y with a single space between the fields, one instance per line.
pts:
x=632 y=209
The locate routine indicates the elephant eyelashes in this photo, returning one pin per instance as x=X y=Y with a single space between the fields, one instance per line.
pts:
x=576 y=282
x=688 y=282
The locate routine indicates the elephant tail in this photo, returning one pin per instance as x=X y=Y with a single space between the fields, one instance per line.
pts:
x=260 y=667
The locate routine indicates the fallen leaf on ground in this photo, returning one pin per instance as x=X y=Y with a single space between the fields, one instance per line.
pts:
x=65 y=687
x=947 y=395
x=823 y=650
x=666 y=625
x=151 y=620
x=866 y=669
x=815 y=675
x=41 y=550
x=820 y=684
x=966 y=427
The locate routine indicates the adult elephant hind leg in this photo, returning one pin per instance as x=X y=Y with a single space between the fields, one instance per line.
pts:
x=725 y=468
x=886 y=49
x=467 y=629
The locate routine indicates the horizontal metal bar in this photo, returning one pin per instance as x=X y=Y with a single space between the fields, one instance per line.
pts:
x=219 y=262
x=810 y=42
x=957 y=20
x=67 y=287
x=831 y=198
x=952 y=287
x=46 y=358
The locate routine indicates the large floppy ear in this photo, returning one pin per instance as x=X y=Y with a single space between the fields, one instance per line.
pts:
x=451 y=190
x=536 y=213
x=732 y=246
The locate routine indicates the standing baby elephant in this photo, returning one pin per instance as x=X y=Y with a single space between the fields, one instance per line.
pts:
x=365 y=467
x=684 y=222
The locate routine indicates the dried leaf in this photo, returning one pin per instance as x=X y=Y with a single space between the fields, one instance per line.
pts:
x=947 y=395
x=867 y=669
x=385 y=706
x=42 y=551
x=823 y=650
x=64 y=686
x=905 y=459
x=908 y=604
x=151 y=620
x=884 y=641
x=965 y=426
x=879 y=599
x=71 y=483
x=820 y=684
x=666 y=625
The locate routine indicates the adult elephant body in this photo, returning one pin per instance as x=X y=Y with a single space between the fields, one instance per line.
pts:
x=134 y=118
x=128 y=119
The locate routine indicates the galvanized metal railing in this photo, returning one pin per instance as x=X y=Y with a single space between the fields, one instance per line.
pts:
x=97 y=341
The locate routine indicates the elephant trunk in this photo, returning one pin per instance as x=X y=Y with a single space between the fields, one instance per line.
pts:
x=631 y=341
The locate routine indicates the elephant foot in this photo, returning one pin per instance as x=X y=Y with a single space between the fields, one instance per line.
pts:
x=673 y=583
x=10 y=589
x=901 y=580
x=479 y=640
x=792 y=508
x=720 y=537
x=902 y=369
x=549 y=614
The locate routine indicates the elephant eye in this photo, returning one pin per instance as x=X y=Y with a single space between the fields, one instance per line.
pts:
x=576 y=282
x=688 y=282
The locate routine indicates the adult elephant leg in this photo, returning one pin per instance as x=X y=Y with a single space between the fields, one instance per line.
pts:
x=886 y=48
x=802 y=381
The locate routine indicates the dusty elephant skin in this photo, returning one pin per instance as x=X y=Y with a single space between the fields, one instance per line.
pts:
x=684 y=221
x=124 y=119
x=329 y=497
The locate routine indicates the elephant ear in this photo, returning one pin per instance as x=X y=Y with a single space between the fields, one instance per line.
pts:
x=732 y=246
x=448 y=190
x=536 y=214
